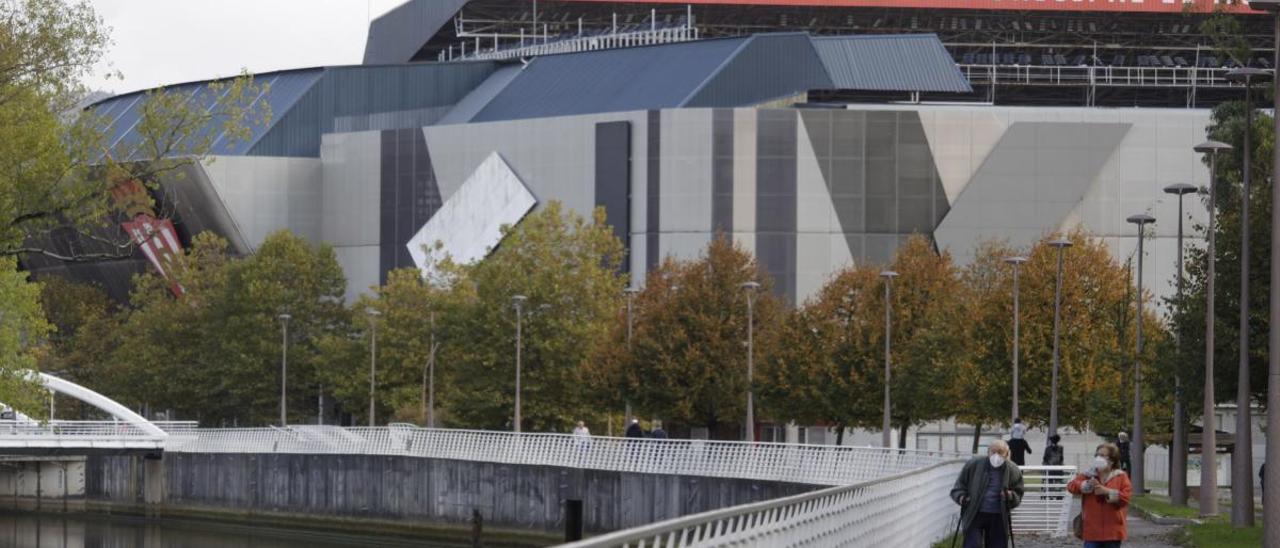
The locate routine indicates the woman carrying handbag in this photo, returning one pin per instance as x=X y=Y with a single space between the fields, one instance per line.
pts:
x=1104 y=492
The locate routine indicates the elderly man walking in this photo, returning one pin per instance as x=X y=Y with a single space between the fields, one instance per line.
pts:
x=988 y=489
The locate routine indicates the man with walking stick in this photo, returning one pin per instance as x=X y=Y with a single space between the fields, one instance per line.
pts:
x=988 y=490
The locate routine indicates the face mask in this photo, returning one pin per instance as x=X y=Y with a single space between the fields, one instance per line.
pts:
x=1101 y=463
x=996 y=460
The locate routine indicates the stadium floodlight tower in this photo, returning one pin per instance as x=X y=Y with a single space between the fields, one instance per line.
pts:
x=1271 y=496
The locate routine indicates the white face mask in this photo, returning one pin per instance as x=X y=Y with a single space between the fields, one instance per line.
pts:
x=1101 y=463
x=996 y=460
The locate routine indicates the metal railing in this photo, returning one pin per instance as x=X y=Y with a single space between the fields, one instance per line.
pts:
x=576 y=44
x=810 y=464
x=1046 y=504
x=911 y=509
x=79 y=430
x=1102 y=76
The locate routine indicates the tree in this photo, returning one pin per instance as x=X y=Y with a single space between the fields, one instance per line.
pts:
x=568 y=268
x=687 y=361
x=828 y=354
x=985 y=383
x=22 y=335
x=214 y=353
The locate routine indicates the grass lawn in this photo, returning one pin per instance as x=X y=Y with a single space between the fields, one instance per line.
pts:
x=1212 y=533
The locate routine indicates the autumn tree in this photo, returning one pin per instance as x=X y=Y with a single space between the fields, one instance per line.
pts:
x=567 y=267
x=687 y=360
x=985 y=383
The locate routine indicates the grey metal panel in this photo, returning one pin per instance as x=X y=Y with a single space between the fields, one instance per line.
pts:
x=363 y=91
x=1031 y=181
x=909 y=62
x=398 y=34
x=615 y=80
x=768 y=66
x=469 y=106
x=613 y=178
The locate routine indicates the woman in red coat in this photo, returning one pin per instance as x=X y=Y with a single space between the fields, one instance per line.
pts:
x=1104 y=490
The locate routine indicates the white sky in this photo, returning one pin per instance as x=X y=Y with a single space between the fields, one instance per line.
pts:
x=158 y=42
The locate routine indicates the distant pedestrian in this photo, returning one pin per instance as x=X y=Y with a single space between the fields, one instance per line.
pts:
x=1104 y=491
x=634 y=430
x=1018 y=446
x=581 y=430
x=1122 y=443
x=988 y=489
x=658 y=433
x=1053 y=452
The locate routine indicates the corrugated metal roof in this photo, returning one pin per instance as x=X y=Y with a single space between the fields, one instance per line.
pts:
x=122 y=113
x=469 y=106
x=398 y=34
x=769 y=66
x=639 y=78
x=907 y=62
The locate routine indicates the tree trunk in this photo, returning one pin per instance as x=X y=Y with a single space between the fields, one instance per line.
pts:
x=977 y=436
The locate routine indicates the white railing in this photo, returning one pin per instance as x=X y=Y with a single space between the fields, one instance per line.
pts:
x=810 y=464
x=11 y=430
x=910 y=509
x=1104 y=76
x=1046 y=504
x=578 y=44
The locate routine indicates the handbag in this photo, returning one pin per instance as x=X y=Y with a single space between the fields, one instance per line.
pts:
x=1077 y=526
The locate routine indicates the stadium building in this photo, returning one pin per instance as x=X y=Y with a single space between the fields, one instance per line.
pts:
x=817 y=134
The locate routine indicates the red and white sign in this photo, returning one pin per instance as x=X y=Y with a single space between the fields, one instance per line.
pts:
x=159 y=242
x=1136 y=6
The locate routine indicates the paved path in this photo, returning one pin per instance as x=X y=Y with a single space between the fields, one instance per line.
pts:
x=1142 y=534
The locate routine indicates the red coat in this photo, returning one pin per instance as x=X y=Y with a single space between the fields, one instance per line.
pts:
x=1104 y=516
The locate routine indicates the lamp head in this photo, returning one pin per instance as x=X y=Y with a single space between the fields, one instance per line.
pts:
x=631 y=290
x=888 y=274
x=750 y=286
x=518 y=300
x=285 y=317
x=1016 y=260
x=1060 y=243
x=1141 y=219
x=1180 y=189
x=1212 y=147
x=373 y=312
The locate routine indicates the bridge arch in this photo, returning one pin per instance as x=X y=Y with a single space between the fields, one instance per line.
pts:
x=108 y=405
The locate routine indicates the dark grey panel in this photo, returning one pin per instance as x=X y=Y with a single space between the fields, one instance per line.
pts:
x=408 y=196
x=916 y=62
x=653 y=191
x=381 y=97
x=722 y=171
x=398 y=34
x=768 y=66
x=776 y=197
x=613 y=80
x=613 y=179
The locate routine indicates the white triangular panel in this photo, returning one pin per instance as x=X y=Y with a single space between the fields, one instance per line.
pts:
x=960 y=140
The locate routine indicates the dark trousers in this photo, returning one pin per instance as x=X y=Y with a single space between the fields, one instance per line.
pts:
x=989 y=527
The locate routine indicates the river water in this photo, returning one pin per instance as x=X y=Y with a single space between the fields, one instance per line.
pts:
x=96 y=531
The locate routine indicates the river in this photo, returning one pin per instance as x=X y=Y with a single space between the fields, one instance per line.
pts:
x=100 y=531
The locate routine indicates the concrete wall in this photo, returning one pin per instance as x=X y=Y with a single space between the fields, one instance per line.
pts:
x=413 y=489
x=45 y=484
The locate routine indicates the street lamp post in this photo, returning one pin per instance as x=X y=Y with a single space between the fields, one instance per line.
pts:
x=373 y=359
x=888 y=276
x=429 y=379
x=518 y=301
x=1242 y=459
x=631 y=297
x=1017 y=264
x=284 y=367
x=1061 y=244
x=750 y=288
x=1209 y=439
x=1178 y=468
x=1138 y=463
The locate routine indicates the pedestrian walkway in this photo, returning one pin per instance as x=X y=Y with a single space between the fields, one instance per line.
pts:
x=1142 y=534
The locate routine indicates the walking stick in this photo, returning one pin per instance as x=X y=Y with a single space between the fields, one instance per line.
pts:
x=956 y=535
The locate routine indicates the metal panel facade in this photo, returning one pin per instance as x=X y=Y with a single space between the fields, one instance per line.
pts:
x=397 y=35
x=891 y=63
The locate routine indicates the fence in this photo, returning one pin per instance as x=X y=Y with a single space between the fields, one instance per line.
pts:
x=72 y=430
x=810 y=464
x=1046 y=505
x=576 y=44
x=906 y=509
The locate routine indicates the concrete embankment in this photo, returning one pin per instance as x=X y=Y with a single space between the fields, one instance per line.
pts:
x=519 y=504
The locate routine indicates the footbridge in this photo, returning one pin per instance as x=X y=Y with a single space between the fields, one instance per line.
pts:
x=126 y=432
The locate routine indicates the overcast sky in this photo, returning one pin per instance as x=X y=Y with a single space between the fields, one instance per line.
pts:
x=170 y=41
